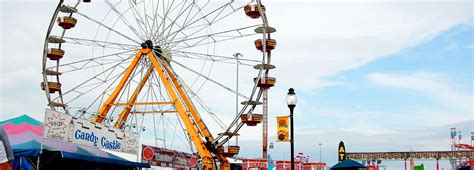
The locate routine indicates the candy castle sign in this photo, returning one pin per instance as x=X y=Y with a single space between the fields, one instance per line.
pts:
x=63 y=127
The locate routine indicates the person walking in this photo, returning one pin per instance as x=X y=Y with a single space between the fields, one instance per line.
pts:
x=6 y=153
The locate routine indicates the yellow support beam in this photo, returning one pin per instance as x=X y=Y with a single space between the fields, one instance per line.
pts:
x=123 y=116
x=224 y=163
x=207 y=160
x=107 y=104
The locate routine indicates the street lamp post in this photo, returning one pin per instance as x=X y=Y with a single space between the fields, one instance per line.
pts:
x=291 y=102
x=320 y=158
x=236 y=55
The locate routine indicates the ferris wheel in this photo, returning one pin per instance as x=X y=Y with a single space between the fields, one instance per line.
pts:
x=166 y=68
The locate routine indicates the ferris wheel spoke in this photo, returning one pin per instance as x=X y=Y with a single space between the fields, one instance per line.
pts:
x=138 y=18
x=89 y=63
x=155 y=17
x=170 y=127
x=213 y=21
x=193 y=6
x=123 y=19
x=211 y=80
x=215 y=57
x=218 y=34
x=202 y=104
x=96 y=77
x=169 y=27
x=147 y=24
x=109 y=28
x=204 y=58
x=204 y=17
x=103 y=44
x=166 y=10
x=188 y=139
x=201 y=43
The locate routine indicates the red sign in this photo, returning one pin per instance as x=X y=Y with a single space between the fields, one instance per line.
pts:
x=148 y=153
x=168 y=158
x=193 y=161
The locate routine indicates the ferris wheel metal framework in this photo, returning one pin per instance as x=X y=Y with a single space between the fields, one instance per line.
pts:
x=155 y=63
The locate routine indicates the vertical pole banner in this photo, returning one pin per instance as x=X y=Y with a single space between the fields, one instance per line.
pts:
x=282 y=129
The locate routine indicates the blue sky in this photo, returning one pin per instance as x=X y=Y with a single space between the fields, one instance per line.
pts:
x=448 y=56
x=381 y=76
x=404 y=95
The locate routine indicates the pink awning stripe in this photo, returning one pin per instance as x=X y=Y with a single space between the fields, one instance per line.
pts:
x=15 y=129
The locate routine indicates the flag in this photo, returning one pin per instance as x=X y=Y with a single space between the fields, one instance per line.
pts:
x=282 y=129
x=270 y=164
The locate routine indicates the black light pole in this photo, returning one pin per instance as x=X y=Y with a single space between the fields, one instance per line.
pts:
x=291 y=101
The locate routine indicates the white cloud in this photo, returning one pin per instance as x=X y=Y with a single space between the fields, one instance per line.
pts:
x=321 y=39
x=428 y=83
x=367 y=129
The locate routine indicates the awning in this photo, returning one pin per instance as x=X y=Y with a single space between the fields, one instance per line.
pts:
x=347 y=164
x=27 y=142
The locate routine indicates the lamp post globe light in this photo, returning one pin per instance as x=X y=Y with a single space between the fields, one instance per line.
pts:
x=291 y=102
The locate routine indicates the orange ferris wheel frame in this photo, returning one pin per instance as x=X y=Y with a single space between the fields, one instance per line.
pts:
x=195 y=126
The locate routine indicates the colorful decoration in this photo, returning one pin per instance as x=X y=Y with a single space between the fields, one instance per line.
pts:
x=453 y=133
x=282 y=129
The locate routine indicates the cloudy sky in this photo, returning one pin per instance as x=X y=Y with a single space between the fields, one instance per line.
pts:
x=389 y=75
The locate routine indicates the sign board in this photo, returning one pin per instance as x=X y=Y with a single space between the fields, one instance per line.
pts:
x=63 y=127
x=168 y=158
x=342 y=152
x=407 y=155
